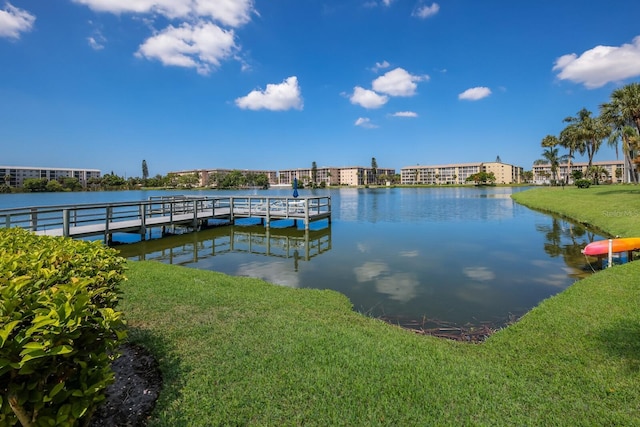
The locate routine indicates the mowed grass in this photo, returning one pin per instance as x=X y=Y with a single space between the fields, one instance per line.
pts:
x=614 y=209
x=239 y=351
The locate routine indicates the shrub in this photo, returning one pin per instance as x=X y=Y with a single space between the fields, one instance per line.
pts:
x=58 y=327
x=583 y=183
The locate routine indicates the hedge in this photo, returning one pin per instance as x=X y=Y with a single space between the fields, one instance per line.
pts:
x=59 y=328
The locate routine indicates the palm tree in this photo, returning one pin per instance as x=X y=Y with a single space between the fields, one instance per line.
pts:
x=587 y=133
x=623 y=115
x=551 y=157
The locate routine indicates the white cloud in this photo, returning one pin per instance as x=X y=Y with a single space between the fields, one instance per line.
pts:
x=425 y=11
x=232 y=13
x=475 y=93
x=370 y=270
x=199 y=46
x=401 y=287
x=276 y=97
x=367 y=98
x=14 y=21
x=601 y=65
x=481 y=274
x=365 y=123
x=201 y=37
x=397 y=82
x=405 y=114
x=97 y=40
x=381 y=66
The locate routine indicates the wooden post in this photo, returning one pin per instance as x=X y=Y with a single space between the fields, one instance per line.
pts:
x=306 y=214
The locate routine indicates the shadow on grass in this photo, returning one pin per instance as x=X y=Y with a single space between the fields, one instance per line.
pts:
x=631 y=190
x=622 y=341
x=167 y=411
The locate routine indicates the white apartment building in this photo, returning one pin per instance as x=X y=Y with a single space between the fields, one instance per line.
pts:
x=17 y=174
x=457 y=173
x=616 y=171
x=349 y=175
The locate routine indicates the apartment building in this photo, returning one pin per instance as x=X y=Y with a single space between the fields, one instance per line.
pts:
x=349 y=175
x=616 y=171
x=457 y=173
x=328 y=175
x=14 y=176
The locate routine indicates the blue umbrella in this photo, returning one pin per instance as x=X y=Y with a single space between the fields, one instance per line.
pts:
x=295 y=187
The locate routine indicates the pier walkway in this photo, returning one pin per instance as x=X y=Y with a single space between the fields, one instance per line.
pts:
x=106 y=219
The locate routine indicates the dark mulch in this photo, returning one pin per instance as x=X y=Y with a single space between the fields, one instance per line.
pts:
x=132 y=397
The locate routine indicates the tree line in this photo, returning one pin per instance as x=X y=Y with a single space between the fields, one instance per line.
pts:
x=618 y=124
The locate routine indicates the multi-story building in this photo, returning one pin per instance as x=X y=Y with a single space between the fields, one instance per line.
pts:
x=328 y=175
x=457 y=173
x=615 y=171
x=357 y=175
x=17 y=174
x=349 y=175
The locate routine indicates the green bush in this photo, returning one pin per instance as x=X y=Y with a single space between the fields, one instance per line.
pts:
x=58 y=327
x=583 y=183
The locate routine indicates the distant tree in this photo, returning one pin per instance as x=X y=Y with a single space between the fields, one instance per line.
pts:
x=54 y=186
x=234 y=179
x=145 y=171
x=576 y=175
x=112 y=180
x=314 y=174
x=262 y=180
x=374 y=170
x=35 y=184
x=527 y=176
x=482 y=177
x=71 y=184
x=189 y=180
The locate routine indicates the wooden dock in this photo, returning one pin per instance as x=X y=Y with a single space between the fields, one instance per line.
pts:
x=167 y=212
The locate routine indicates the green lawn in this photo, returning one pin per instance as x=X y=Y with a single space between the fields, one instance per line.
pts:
x=239 y=351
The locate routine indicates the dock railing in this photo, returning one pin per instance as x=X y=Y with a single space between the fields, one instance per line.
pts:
x=81 y=220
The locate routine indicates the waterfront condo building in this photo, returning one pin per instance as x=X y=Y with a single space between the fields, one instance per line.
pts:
x=457 y=173
x=349 y=175
x=14 y=176
x=613 y=171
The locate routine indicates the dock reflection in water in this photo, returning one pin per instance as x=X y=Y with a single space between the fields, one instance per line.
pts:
x=194 y=248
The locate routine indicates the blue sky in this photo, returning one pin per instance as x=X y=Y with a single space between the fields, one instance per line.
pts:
x=278 y=84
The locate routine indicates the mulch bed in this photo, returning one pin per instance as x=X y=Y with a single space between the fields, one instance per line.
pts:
x=132 y=397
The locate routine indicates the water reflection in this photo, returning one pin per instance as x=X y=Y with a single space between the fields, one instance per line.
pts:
x=463 y=256
x=195 y=248
x=565 y=239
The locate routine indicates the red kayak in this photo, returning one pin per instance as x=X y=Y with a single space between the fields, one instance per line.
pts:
x=601 y=247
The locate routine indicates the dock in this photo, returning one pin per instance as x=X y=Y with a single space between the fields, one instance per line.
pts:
x=165 y=212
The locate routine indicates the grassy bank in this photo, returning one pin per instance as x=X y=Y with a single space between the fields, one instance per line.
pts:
x=613 y=209
x=239 y=351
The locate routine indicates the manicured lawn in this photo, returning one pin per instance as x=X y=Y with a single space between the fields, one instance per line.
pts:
x=614 y=209
x=239 y=351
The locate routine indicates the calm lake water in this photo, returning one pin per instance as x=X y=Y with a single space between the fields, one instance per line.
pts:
x=419 y=257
